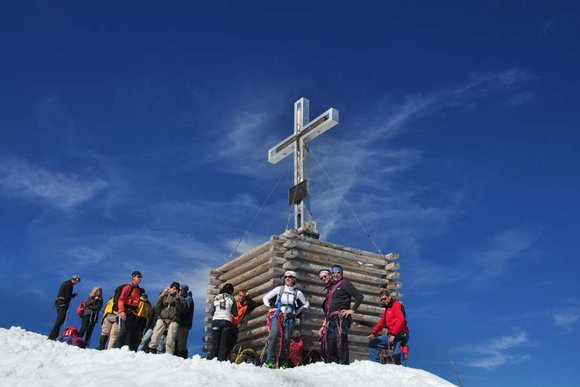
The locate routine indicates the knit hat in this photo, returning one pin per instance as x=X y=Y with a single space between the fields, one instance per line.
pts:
x=175 y=285
x=136 y=272
x=290 y=273
x=336 y=269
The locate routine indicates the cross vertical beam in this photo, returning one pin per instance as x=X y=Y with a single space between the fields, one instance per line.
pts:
x=304 y=132
x=301 y=155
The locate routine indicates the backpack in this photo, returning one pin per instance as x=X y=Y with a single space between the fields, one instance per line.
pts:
x=81 y=309
x=71 y=337
x=118 y=291
x=144 y=309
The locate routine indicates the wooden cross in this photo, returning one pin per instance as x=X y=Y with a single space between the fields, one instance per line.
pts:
x=304 y=132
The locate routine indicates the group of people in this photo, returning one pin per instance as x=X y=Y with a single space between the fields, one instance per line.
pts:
x=285 y=304
x=129 y=318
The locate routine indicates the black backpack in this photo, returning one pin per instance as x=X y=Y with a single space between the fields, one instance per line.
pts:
x=118 y=291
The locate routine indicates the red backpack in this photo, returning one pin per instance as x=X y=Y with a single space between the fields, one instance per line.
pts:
x=81 y=309
x=71 y=337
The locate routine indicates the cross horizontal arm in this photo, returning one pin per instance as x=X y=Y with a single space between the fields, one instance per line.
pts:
x=314 y=129
x=320 y=125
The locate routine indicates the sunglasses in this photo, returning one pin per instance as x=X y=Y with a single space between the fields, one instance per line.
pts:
x=324 y=276
x=384 y=299
x=289 y=276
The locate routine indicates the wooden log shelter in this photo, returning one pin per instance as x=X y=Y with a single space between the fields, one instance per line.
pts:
x=261 y=269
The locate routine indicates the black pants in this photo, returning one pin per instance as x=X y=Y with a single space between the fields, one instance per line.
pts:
x=87 y=326
x=337 y=340
x=233 y=340
x=128 y=332
x=221 y=336
x=60 y=318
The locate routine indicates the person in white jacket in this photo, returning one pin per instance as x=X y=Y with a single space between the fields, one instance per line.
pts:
x=285 y=303
x=224 y=309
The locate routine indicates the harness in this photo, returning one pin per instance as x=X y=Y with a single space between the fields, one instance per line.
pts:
x=279 y=304
x=283 y=319
x=331 y=315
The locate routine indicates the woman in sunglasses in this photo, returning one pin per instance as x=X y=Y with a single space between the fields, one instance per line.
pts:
x=285 y=303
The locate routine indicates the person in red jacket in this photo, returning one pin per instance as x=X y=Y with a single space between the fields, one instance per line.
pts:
x=128 y=304
x=395 y=321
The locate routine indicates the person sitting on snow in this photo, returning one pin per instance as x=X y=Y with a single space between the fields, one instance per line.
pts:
x=288 y=303
x=397 y=336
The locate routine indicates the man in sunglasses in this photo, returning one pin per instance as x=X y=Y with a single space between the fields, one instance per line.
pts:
x=395 y=321
x=289 y=303
x=127 y=304
x=338 y=316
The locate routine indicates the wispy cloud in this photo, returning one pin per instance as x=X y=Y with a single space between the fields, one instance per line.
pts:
x=64 y=191
x=566 y=320
x=503 y=248
x=369 y=177
x=499 y=351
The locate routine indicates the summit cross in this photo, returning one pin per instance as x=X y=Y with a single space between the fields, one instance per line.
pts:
x=304 y=132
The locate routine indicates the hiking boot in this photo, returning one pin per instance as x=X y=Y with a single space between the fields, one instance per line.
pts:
x=269 y=364
x=283 y=367
x=102 y=343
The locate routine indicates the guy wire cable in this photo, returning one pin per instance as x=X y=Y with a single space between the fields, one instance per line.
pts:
x=258 y=213
x=346 y=203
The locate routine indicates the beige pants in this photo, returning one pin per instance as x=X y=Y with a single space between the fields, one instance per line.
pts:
x=108 y=322
x=113 y=335
x=158 y=331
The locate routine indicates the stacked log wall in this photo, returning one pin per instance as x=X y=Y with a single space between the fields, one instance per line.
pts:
x=261 y=269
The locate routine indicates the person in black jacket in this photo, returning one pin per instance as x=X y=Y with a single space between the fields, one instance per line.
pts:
x=93 y=306
x=338 y=319
x=185 y=322
x=62 y=302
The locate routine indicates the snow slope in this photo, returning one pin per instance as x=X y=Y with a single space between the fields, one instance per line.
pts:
x=29 y=359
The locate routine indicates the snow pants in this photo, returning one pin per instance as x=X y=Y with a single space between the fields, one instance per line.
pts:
x=221 y=332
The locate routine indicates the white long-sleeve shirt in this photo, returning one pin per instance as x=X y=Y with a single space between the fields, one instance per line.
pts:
x=287 y=299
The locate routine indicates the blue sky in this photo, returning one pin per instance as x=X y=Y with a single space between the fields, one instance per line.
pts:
x=135 y=136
